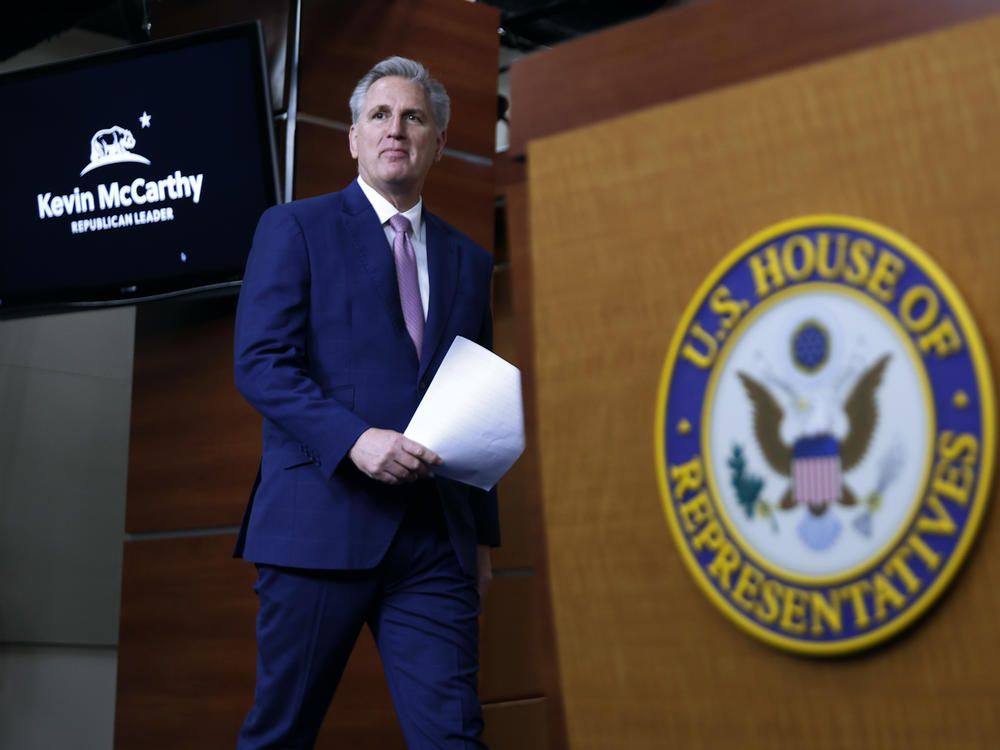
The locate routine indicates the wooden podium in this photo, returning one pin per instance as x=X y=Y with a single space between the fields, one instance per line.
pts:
x=628 y=219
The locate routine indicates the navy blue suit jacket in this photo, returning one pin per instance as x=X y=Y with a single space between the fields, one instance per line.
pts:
x=322 y=352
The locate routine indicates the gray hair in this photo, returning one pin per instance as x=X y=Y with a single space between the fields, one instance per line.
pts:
x=411 y=70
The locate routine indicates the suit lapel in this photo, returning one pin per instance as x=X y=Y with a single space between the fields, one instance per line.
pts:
x=442 y=268
x=376 y=257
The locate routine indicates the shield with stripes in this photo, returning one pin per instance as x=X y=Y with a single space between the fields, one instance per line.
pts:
x=816 y=471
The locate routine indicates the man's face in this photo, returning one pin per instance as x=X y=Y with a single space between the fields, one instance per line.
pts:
x=395 y=140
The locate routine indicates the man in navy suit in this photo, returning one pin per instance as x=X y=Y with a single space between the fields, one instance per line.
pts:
x=347 y=523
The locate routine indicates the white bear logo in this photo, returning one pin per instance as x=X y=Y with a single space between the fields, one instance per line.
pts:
x=110 y=142
x=112 y=146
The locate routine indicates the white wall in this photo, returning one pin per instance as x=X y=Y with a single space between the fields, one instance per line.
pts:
x=65 y=396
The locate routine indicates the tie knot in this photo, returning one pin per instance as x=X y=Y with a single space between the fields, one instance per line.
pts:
x=400 y=223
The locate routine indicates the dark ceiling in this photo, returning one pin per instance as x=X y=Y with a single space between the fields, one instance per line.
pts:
x=525 y=25
x=34 y=22
x=529 y=24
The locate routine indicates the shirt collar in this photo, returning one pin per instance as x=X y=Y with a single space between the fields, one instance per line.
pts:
x=385 y=210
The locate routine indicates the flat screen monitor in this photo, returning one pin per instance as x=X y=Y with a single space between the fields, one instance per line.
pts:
x=134 y=174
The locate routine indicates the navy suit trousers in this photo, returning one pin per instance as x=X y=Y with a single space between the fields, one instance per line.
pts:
x=422 y=608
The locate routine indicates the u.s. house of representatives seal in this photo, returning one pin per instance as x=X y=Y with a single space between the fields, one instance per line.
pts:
x=825 y=434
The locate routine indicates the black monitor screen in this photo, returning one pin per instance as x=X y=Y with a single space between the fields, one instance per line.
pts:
x=134 y=173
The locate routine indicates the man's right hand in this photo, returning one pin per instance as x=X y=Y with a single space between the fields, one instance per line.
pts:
x=388 y=456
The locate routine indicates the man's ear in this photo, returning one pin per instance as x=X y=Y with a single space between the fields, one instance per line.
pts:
x=442 y=137
x=352 y=140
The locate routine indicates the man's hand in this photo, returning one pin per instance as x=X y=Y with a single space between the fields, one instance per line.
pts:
x=389 y=457
x=485 y=566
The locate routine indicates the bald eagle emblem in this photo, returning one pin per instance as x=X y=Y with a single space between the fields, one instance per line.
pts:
x=827 y=434
x=816 y=461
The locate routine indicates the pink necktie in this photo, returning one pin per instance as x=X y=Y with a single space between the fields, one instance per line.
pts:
x=406 y=275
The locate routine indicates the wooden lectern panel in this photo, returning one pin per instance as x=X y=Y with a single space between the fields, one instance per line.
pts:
x=628 y=218
x=694 y=47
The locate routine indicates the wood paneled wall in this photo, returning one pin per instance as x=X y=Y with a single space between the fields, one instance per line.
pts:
x=628 y=218
x=456 y=40
x=187 y=650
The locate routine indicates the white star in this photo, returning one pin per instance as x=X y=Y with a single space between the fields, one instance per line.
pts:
x=144 y=119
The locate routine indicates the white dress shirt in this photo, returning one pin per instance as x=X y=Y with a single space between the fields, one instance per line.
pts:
x=418 y=234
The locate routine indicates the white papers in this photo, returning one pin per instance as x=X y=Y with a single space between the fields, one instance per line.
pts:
x=471 y=415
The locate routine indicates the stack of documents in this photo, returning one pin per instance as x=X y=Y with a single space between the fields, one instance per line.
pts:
x=472 y=415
